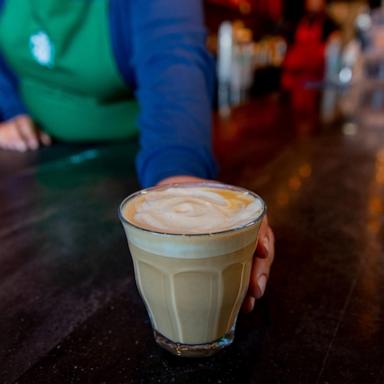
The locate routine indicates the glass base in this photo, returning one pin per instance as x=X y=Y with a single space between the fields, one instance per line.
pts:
x=195 y=350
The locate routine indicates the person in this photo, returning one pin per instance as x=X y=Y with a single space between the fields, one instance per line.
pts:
x=69 y=70
x=303 y=68
x=305 y=59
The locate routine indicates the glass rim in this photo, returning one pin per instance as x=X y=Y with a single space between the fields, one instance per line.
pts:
x=194 y=185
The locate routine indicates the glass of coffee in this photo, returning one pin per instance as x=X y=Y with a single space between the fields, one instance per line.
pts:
x=192 y=247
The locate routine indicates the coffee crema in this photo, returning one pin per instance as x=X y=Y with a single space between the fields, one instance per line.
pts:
x=191 y=210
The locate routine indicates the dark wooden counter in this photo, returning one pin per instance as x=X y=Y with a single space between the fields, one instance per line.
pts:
x=69 y=308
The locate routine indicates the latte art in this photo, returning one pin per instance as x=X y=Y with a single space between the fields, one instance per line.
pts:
x=192 y=210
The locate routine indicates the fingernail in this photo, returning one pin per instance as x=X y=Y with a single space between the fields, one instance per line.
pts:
x=21 y=147
x=251 y=303
x=262 y=282
x=266 y=243
x=33 y=144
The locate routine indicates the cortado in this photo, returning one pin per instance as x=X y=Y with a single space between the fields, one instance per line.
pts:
x=192 y=247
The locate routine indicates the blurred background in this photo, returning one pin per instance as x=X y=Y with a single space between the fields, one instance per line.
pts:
x=267 y=46
x=298 y=66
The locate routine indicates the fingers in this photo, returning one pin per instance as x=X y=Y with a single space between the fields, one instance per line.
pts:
x=10 y=137
x=181 y=180
x=20 y=134
x=45 y=139
x=27 y=131
x=259 y=276
x=261 y=266
x=258 y=282
x=31 y=134
x=265 y=239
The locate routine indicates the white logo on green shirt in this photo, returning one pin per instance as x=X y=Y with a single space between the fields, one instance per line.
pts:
x=42 y=49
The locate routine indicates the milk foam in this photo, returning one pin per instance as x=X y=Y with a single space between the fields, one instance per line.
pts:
x=191 y=210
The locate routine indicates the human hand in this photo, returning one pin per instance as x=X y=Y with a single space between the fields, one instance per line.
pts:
x=264 y=254
x=181 y=180
x=262 y=262
x=20 y=134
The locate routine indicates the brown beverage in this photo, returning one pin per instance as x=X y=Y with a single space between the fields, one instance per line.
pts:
x=192 y=248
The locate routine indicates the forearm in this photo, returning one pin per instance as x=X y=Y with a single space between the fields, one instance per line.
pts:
x=175 y=78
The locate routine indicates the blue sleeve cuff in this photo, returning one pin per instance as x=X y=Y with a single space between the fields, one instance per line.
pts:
x=13 y=110
x=10 y=102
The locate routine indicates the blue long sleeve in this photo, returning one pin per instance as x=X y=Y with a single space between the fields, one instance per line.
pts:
x=174 y=75
x=10 y=103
